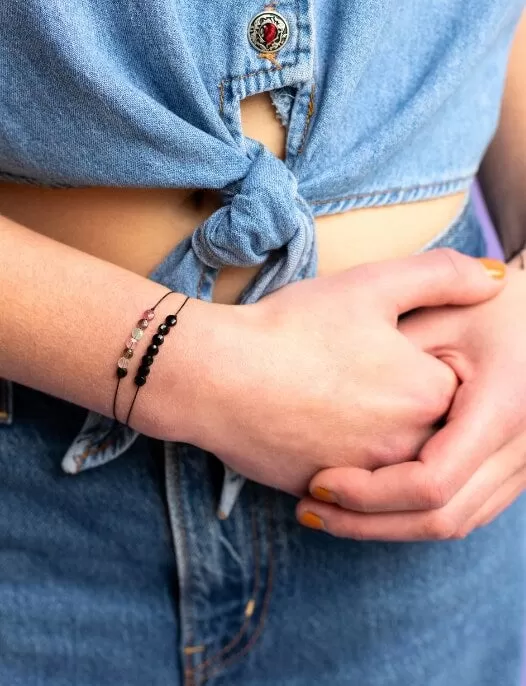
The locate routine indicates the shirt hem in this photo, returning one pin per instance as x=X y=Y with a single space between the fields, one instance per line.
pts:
x=391 y=196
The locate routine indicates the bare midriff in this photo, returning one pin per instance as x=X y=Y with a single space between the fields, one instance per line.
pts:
x=136 y=228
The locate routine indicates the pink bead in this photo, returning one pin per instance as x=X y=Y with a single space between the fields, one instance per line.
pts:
x=122 y=363
x=149 y=315
x=131 y=343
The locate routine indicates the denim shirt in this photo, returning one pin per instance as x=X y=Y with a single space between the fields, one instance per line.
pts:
x=384 y=102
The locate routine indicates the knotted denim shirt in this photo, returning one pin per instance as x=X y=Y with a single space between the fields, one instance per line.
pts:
x=384 y=102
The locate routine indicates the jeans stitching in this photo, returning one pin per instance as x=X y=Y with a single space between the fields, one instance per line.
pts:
x=178 y=496
x=310 y=113
x=376 y=194
x=223 y=82
x=265 y=605
x=257 y=579
x=32 y=181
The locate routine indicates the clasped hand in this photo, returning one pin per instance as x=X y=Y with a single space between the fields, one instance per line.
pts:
x=471 y=468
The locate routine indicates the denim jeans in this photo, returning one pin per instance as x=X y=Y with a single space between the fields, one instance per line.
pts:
x=124 y=575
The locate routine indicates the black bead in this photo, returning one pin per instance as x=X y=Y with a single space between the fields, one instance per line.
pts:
x=121 y=373
x=147 y=360
x=143 y=370
x=152 y=349
x=158 y=339
x=140 y=380
x=171 y=320
x=163 y=329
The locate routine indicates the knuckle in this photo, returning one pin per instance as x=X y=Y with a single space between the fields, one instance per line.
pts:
x=355 y=532
x=346 y=525
x=440 y=526
x=402 y=449
x=441 y=394
x=461 y=534
x=359 y=501
x=360 y=281
x=435 y=492
x=448 y=261
x=391 y=450
x=435 y=398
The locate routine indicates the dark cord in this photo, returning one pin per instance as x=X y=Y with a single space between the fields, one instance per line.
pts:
x=119 y=379
x=139 y=387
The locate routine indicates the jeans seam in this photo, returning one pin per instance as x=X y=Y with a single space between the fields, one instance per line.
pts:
x=232 y=659
x=310 y=113
x=375 y=194
x=21 y=178
x=178 y=497
x=223 y=82
x=257 y=578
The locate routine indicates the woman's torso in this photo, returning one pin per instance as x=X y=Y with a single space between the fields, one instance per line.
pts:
x=385 y=110
x=135 y=228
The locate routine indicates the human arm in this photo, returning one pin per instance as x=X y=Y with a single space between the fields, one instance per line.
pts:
x=231 y=380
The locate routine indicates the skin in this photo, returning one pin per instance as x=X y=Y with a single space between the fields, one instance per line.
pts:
x=350 y=397
x=136 y=227
x=229 y=372
x=464 y=475
x=475 y=466
x=224 y=356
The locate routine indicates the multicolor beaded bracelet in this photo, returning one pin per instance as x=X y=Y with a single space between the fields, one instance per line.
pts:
x=136 y=335
x=152 y=350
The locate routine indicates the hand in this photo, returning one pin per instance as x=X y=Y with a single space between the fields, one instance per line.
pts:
x=317 y=374
x=471 y=469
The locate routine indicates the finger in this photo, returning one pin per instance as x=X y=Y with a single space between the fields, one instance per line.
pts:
x=437 y=277
x=445 y=464
x=448 y=522
x=483 y=420
x=500 y=501
x=349 y=487
x=395 y=526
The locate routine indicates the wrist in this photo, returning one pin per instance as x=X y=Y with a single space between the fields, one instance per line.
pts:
x=193 y=367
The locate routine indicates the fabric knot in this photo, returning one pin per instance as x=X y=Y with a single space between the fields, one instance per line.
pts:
x=264 y=221
x=263 y=213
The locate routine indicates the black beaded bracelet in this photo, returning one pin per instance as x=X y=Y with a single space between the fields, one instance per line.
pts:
x=136 y=335
x=152 y=350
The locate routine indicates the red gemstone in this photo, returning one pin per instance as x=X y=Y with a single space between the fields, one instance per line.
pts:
x=270 y=31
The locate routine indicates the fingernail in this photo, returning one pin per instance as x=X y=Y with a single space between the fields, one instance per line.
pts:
x=324 y=494
x=311 y=520
x=495 y=268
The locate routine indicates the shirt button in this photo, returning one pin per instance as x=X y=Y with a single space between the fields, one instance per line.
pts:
x=268 y=31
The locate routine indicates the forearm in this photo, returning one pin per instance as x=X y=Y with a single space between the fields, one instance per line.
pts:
x=66 y=316
x=503 y=171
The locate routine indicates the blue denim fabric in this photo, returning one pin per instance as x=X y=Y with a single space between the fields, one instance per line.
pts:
x=384 y=102
x=124 y=575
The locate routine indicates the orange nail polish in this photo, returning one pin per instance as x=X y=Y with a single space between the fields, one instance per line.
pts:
x=324 y=494
x=312 y=520
x=495 y=268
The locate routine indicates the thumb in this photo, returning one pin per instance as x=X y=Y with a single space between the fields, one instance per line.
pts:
x=434 y=278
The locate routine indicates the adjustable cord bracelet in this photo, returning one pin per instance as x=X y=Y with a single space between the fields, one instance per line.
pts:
x=152 y=350
x=136 y=335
